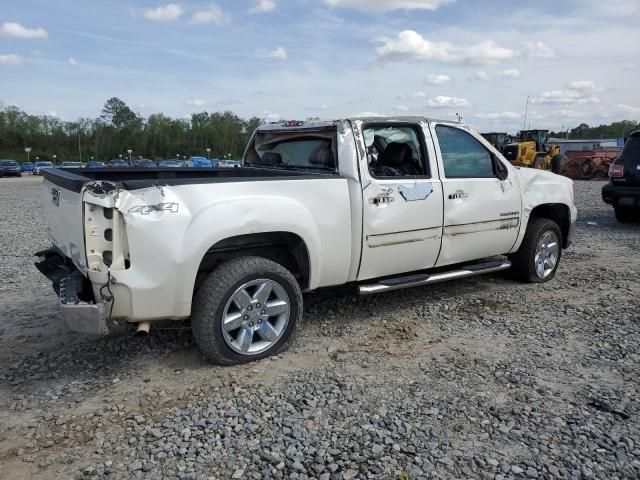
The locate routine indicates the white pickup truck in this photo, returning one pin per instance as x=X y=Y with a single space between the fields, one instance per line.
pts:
x=382 y=203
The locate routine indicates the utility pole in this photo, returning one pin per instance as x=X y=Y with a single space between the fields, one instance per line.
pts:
x=526 y=112
x=79 y=146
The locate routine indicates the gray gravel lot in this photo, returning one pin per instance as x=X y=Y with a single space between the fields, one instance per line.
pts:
x=483 y=378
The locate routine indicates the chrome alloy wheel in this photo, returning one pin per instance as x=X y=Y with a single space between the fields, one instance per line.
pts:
x=255 y=316
x=547 y=253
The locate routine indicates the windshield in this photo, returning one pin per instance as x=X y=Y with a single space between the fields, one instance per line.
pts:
x=70 y=164
x=8 y=163
x=294 y=150
x=43 y=164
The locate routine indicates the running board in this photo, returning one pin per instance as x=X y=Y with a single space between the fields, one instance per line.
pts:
x=408 y=281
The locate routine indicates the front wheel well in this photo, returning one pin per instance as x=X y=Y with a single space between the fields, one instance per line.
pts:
x=284 y=248
x=557 y=212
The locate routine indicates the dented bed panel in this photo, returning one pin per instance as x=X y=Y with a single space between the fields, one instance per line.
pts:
x=170 y=229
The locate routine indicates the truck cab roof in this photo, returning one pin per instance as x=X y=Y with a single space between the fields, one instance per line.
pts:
x=321 y=124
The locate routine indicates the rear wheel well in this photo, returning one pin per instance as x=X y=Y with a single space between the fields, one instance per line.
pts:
x=285 y=248
x=557 y=212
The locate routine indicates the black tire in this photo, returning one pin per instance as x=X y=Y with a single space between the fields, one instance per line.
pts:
x=216 y=290
x=523 y=261
x=586 y=169
x=626 y=215
x=539 y=163
x=557 y=163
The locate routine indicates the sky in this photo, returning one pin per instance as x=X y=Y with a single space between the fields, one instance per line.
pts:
x=576 y=60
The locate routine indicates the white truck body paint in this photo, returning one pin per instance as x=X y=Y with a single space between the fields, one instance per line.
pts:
x=167 y=229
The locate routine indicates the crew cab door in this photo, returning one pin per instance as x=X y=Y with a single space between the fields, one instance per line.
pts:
x=482 y=201
x=401 y=197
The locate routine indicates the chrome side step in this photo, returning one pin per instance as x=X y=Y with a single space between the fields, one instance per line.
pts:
x=417 y=280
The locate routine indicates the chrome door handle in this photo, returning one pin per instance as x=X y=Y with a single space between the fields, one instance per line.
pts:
x=458 y=195
x=380 y=199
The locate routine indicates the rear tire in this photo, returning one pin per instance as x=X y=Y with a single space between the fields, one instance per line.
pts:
x=542 y=245
x=217 y=311
x=626 y=215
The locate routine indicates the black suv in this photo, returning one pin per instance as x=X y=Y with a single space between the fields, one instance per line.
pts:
x=623 y=190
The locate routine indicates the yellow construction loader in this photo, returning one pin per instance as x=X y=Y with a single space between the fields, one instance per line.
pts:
x=532 y=150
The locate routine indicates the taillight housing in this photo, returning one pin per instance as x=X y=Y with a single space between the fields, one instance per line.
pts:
x=616 y=171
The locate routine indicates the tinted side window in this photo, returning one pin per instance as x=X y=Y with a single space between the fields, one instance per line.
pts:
x=462 y=155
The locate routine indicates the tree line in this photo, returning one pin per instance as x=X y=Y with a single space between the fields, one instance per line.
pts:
x=119 y=129
x=620 y=129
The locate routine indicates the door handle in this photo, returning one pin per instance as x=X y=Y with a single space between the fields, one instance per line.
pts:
x=381 y=199
x=458 y=195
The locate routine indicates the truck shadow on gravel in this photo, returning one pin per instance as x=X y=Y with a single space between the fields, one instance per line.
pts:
x=64 y=369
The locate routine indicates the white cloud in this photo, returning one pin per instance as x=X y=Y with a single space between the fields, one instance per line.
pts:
x=389 y=5
x=164 y=13
x=214 y=14
x=10 y=59
x=402 y=108
x=368 y=115
x=539 y=50
x=442 y=101
x=480 y=75
x=263 y=6
x=437 y=79
x=277 y=54
x=510 y=73
x=584 y=86
x=628 y=108
x=271 y=116
x=499 y=115
x=409 y=45
x=196 y=102
x=406 y=96
x=14 y=29
x=576 y=92
x=72 y=61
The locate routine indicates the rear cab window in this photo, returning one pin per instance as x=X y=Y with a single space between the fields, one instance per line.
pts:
x=294 y=150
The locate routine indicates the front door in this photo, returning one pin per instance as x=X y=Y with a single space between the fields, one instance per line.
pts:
x=481 y=210
x=402 y=199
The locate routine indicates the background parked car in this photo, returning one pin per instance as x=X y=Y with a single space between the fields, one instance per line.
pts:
x=40 y=165
x=26 y=167
x=145 y=163
x=10 y=168
x=72 y=165
x=118 y=163
x=228 y=163
x=169 y=164
x=94 y=164
x=199 y=162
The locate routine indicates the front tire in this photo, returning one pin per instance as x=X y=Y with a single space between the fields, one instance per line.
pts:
x=539 y=255
x=246 y=309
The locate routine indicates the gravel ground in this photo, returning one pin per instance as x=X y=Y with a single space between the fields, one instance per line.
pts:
x=483 y=378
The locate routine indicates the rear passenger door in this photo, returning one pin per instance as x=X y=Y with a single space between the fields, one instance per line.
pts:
x=401 y=196
x=482 y=201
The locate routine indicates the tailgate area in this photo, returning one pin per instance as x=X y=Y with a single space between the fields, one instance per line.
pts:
x=63 y=210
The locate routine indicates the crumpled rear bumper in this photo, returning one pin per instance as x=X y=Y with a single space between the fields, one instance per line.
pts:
x=81 y=312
